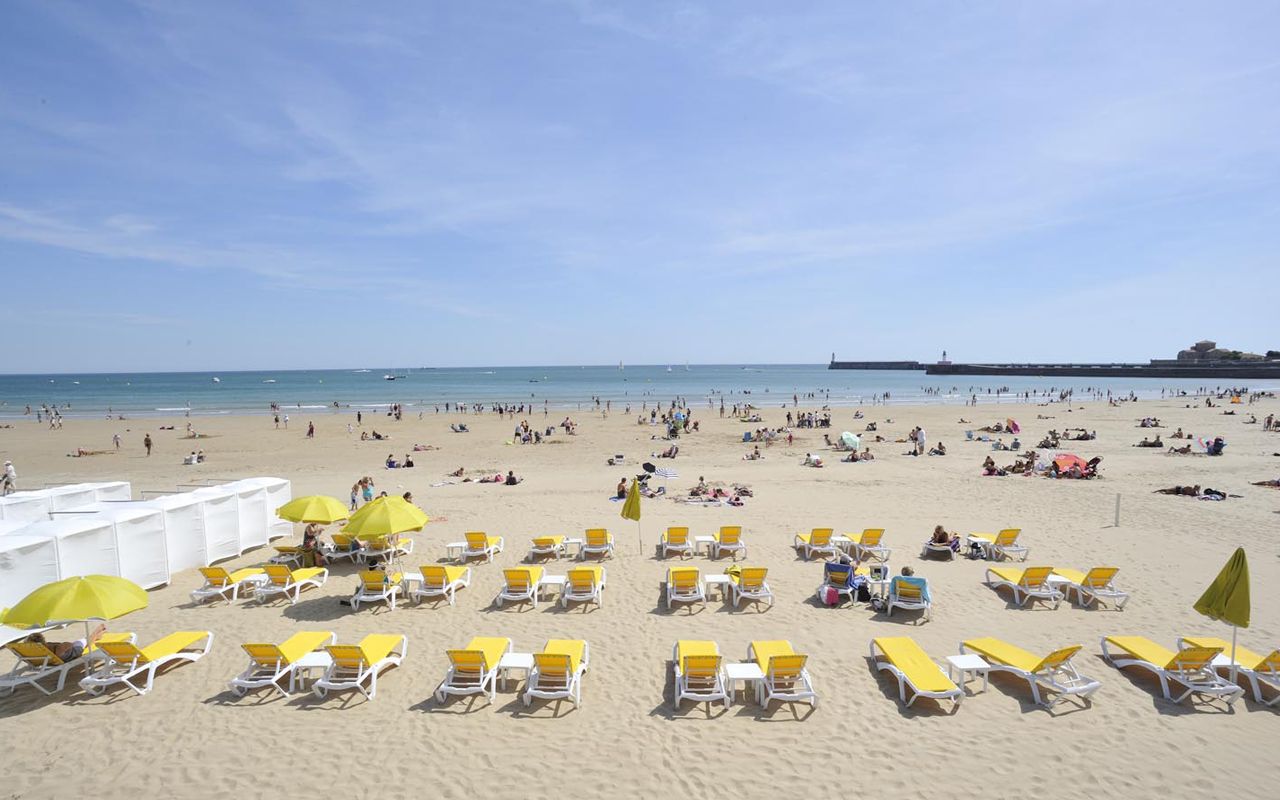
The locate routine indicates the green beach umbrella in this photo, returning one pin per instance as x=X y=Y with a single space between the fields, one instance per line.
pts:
x=1227 y=598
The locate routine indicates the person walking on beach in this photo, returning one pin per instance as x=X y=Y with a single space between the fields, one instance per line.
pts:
x=355 y=495
x=311 y=430
x=115 y=439
x=286 y=422
x=10 y=478
x=146 y=442
x=277 y=422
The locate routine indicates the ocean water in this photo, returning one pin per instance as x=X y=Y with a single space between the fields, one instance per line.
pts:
x=316 y=391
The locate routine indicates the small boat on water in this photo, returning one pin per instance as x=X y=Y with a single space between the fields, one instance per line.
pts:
x=270 y=380
x=216 y=379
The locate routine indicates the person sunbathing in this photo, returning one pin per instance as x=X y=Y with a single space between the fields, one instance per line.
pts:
x=939 y=450
x=457 y=473
x=1188 y=491
x=1150 y=442
x=810 y=460
x=1185 y=450
x=69 y=651
x=1271 y=484
x=942 y=536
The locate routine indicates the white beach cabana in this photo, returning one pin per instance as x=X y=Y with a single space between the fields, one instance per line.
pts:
x=25 y=506
x=27 y=562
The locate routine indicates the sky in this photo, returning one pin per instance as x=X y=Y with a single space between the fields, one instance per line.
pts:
x=248 y=185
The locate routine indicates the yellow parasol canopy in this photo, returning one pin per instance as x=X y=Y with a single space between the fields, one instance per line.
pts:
x=385 y=516
x=313 y=508
x=80 y=598
x=1227 y=598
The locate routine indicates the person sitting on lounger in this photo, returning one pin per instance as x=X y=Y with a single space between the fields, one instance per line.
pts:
x=942 y=536
x=312 y=547
x=69 y=651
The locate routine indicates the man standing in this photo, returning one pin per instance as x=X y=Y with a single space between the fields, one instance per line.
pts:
x=146 y=442
x=920 y=445
x=115 y=439
x=10 y=478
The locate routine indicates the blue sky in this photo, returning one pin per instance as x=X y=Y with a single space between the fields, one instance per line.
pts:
x=272 y=185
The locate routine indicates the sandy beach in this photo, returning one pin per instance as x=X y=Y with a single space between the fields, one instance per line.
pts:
x=192 y=738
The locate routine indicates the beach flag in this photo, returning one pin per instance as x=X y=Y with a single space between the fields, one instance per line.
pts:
x=631 y=509
x=1227 y=598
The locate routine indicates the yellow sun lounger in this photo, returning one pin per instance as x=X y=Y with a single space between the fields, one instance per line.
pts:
x=1002 y=545
x=557 y=671
x=684 y=585
x=553 y=546
x=676 y=540
x=126 y=661
x=901 y=657
x=1055 y=672
x=728 y=540
x=818 y=541
x=786 y=676
x=376 y=586
x=597 y=542
x=521 y=584
x=36 y=662
x=699 y=672
x=1029 y=583
x=474 y=668
x=220 y=583
x=355 y=665
x=481 y=545
x=866 y=545
x=584 y=585
x=1192 y=667
x=1260 y=670
x=269 y=664
x=1095 y=586
x=441 y=581
x=289 y=582
x=748 y=583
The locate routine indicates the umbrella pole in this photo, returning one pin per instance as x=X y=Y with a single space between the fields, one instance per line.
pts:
x=1234 y=667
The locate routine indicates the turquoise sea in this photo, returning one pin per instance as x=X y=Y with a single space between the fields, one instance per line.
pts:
x=765 y=385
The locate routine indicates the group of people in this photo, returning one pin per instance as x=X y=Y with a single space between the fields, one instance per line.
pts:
x=406 y=463
x=526 y=435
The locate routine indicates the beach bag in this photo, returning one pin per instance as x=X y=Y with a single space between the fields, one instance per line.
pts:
x=828 y=596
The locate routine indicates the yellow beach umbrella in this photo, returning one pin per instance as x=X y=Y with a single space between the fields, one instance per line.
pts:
x=313 y=508
x=79 y=598
x=631 y=509
x=1227 y=598
x=385 y=516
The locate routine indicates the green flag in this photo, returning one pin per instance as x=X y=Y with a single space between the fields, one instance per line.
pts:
x=631 y=508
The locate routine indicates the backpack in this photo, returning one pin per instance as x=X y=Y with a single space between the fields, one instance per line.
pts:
x=828 y=596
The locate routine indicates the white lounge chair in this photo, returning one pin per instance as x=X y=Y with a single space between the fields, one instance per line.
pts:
x=441 y=581
x=481 y=545
x=699 y=672
x=126 y=661
x=377 y=586
x=816 y=542
x=557 y=671
x=227 y=585
x=1027 y=584
x=748 y=583
x=584 y=585
x=287 y=554
x=344 y=547
x=1191 y=667
x=684 y=585
x=867 y=546
x=932 y=548
x=474 y=669
x=728 y=540
x=1095 y=586
x=1002 y=545
x=1260 y=670
x=553 y=546
x=357 y=666
x=910 y=594
x=676 y=540
x=1055 y=672
x=36 y=663
x=290 y=583
x=596 y=542
x=902 y=658
x=521 y=584
x=269 y=664
x=386 y=547
x=786 y=676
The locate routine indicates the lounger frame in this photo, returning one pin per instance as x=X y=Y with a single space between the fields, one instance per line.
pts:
x=1204 y=681
x=114 y=672
x=882 y=663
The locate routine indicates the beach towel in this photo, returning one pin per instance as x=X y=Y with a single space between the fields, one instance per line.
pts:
x=911 y=580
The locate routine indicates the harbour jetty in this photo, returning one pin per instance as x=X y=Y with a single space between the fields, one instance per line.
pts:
x=1204 y=359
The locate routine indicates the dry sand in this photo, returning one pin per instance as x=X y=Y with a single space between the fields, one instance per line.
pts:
x=191 y=738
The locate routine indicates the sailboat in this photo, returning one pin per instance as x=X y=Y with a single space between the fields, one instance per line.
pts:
x=619 y=366
x=686 y=366
x=668 y=368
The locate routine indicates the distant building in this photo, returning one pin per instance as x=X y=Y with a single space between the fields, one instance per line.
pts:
x=1207 y=350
